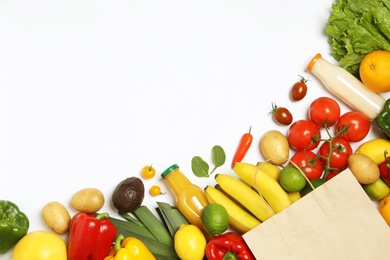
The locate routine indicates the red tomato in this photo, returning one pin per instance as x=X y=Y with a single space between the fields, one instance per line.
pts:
x=324 y=111
x=299 y=90
x=337 y=154
x=353 y=126
x=281 y=115
x=310 y=163
x=303 y=135
x=330 y=175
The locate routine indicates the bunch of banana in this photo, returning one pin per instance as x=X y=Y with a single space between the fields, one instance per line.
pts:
x=239 y=218
x=268 y=186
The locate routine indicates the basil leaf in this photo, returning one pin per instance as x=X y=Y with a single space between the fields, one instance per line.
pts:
x=199 y=167
x=218 y=157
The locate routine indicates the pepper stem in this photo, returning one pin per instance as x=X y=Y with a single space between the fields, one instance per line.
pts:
x=118 y=242
x=101 y=216
x=230 y=256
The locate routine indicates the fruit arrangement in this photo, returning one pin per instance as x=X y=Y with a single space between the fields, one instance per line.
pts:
x=296 y=156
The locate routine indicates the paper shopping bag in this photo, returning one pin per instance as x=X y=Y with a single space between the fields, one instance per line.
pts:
x=335 y=221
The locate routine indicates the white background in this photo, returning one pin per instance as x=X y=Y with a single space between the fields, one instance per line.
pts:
x=91 y=91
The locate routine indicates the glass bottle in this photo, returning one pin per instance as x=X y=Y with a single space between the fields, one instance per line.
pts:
x=190 y=198
x=347 y=87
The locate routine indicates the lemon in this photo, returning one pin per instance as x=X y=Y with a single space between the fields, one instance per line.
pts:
x=215 y=219
x=375 y=149
x=189 y=242
x=291 y=179
x=377 y=190
x=40 y=245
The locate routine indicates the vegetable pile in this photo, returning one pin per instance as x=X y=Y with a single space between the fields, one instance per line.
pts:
x=356 y=28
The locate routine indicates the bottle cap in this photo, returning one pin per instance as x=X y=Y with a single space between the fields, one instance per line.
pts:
x=313 y=61
x=169 y=170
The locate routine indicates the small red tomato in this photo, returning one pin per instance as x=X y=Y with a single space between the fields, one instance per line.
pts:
x=309 y=162
x=304 y=135
x=353 y=126
x=337 y=153
x=324 y=111
x=299 y=90
x=281 y=115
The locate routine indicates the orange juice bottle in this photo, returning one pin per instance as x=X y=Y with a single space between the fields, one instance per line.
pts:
x=190 y=199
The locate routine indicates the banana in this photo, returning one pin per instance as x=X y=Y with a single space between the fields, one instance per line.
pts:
x=294 y=196
x=270 y=169
x=245 y=195
x=268 y=187
x=238 y=217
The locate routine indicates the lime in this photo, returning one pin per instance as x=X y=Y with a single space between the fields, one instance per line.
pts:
x=315 y=182
x=291 y=179
x=377 y=190
x=215 y=219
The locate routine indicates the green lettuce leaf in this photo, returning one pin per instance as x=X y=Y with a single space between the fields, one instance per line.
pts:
x=356 y=28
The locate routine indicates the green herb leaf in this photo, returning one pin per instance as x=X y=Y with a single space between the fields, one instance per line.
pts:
x=199 y=167
x=218 y=157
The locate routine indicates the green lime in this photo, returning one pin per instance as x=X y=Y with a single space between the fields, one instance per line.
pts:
x=215 y=219
x=291 y=179
x=315 y=182
x=377 y=190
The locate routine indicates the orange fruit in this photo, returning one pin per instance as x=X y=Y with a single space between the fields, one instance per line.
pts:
x=384 y=209
x=374 y=71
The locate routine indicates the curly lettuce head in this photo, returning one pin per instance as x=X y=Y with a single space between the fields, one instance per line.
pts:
x=356 y=28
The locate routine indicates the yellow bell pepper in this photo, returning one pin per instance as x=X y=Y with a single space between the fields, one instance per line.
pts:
x=129 y=248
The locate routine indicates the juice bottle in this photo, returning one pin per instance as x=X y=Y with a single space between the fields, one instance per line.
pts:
x=347 y=87
x=190 y=199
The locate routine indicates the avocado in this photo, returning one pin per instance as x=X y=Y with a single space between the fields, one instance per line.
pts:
x=128 y=194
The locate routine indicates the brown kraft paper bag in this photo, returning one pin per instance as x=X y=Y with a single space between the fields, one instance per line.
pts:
x=335 y=221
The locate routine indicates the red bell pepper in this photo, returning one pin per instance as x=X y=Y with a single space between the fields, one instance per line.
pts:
x=228 y=246
x=384 y=169
x=90 y=236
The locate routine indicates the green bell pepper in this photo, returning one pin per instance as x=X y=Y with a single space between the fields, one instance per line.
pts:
x=14 y=225
x=383 y=118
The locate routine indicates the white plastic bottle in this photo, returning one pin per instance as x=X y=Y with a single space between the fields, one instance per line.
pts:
x=347 y=87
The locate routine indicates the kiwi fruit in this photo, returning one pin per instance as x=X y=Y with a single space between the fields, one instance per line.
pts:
x=129 y=194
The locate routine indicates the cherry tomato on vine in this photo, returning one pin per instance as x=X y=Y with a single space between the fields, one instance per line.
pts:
x=299 y=90
x=310 y=163
x=148 y=172
x=281 y=115
x=155 y=190
x=337 y=153
x=303 y=135
x=324 y=111
x=353 y=126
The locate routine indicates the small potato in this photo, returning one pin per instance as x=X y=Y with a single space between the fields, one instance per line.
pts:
x=56 y=217
x=88 y=200
x=274 y=147
x=365 y=169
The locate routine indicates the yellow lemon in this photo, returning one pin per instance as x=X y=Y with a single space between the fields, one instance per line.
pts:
x=43 y=245
x=189 y=242
x=375 y=149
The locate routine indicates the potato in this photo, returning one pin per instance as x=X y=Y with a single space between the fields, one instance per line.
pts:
x=274 y=147
x=364 y=168
x=56 y=217
x=88 y=200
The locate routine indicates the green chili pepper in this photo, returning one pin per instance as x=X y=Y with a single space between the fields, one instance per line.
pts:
x=383 y=118
x=14 y=225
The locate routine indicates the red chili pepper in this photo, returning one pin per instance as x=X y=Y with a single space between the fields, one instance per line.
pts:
x=384 y=169
x=90 y=237
x=243 y=147
x=229 y=245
